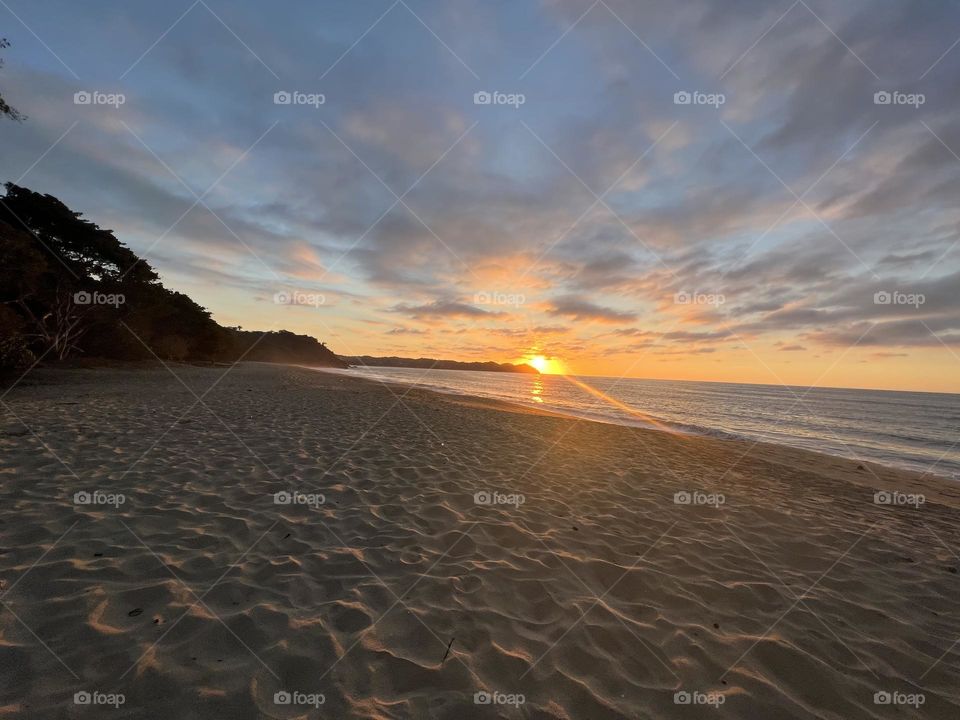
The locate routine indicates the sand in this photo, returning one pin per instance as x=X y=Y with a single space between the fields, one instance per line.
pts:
x=384 y=590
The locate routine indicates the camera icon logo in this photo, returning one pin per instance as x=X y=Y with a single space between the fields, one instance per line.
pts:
x=282 y=98
x=482 y=98
x=482 y=498
x=82 y=98
x=81 y=498
x=681 y=298
x=282 y=298
x=682 y=698
x=82 y=298
x=282 y=498
x=682 y=498
x=282 y=697
x=482 y=698
x=882 y=298
x=82 y=698
x=682 y=98
x=882 y=97
x=882 y=697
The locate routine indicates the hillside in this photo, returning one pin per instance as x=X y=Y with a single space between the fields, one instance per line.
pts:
x=70 y=289
x=488 y=366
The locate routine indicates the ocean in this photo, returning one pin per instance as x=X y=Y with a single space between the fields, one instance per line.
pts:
x=915 y=430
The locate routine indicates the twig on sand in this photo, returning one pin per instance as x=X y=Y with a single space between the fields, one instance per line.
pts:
x=449 y=644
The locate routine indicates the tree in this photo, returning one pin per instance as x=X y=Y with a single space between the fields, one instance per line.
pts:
x=44 y=300
x=69 y=287
x=56 y=262
x=5 y=109
x=79 y=246
x=62 y=325
x=21 y=277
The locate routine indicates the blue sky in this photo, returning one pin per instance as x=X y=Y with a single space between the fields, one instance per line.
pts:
x=571 y=226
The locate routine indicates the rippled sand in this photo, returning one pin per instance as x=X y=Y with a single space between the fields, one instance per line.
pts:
x=599 y=596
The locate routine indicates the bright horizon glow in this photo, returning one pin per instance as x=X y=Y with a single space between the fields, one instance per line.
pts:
x=544 y=365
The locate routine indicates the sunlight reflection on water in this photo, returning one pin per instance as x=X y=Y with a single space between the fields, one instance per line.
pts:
x=536 y=390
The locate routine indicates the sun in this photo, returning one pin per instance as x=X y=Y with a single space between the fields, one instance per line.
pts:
x=543 y=364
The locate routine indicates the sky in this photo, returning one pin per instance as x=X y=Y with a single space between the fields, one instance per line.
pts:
x=744 y=191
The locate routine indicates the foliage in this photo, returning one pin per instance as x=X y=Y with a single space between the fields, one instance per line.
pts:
x=70 y=288
x=5 y=109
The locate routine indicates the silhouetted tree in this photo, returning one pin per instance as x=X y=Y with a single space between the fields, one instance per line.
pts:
x=5 y=109
x=83 y=248
x=70 y=287
x=81 y=262
x=21 y=270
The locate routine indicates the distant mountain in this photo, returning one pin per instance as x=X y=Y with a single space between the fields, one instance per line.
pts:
x=438 y=364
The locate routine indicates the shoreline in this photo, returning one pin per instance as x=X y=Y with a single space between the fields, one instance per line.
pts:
x=942 y=487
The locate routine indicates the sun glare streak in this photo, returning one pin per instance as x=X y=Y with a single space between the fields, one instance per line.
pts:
x=621 y=405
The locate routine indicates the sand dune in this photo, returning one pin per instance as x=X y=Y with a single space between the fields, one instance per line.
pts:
x=182 y=585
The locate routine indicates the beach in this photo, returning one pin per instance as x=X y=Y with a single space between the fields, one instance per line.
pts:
x=266 y=541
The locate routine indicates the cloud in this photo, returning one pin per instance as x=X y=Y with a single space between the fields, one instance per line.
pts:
x=899 y=333
x=551 y=329
x=445 y=309
x=582 y=310
x=900 y=262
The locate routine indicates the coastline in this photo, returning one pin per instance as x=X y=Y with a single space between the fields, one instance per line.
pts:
x=880 y=476
x=434 y=550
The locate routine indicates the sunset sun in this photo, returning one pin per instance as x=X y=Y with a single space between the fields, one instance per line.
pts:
x=547 y=366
